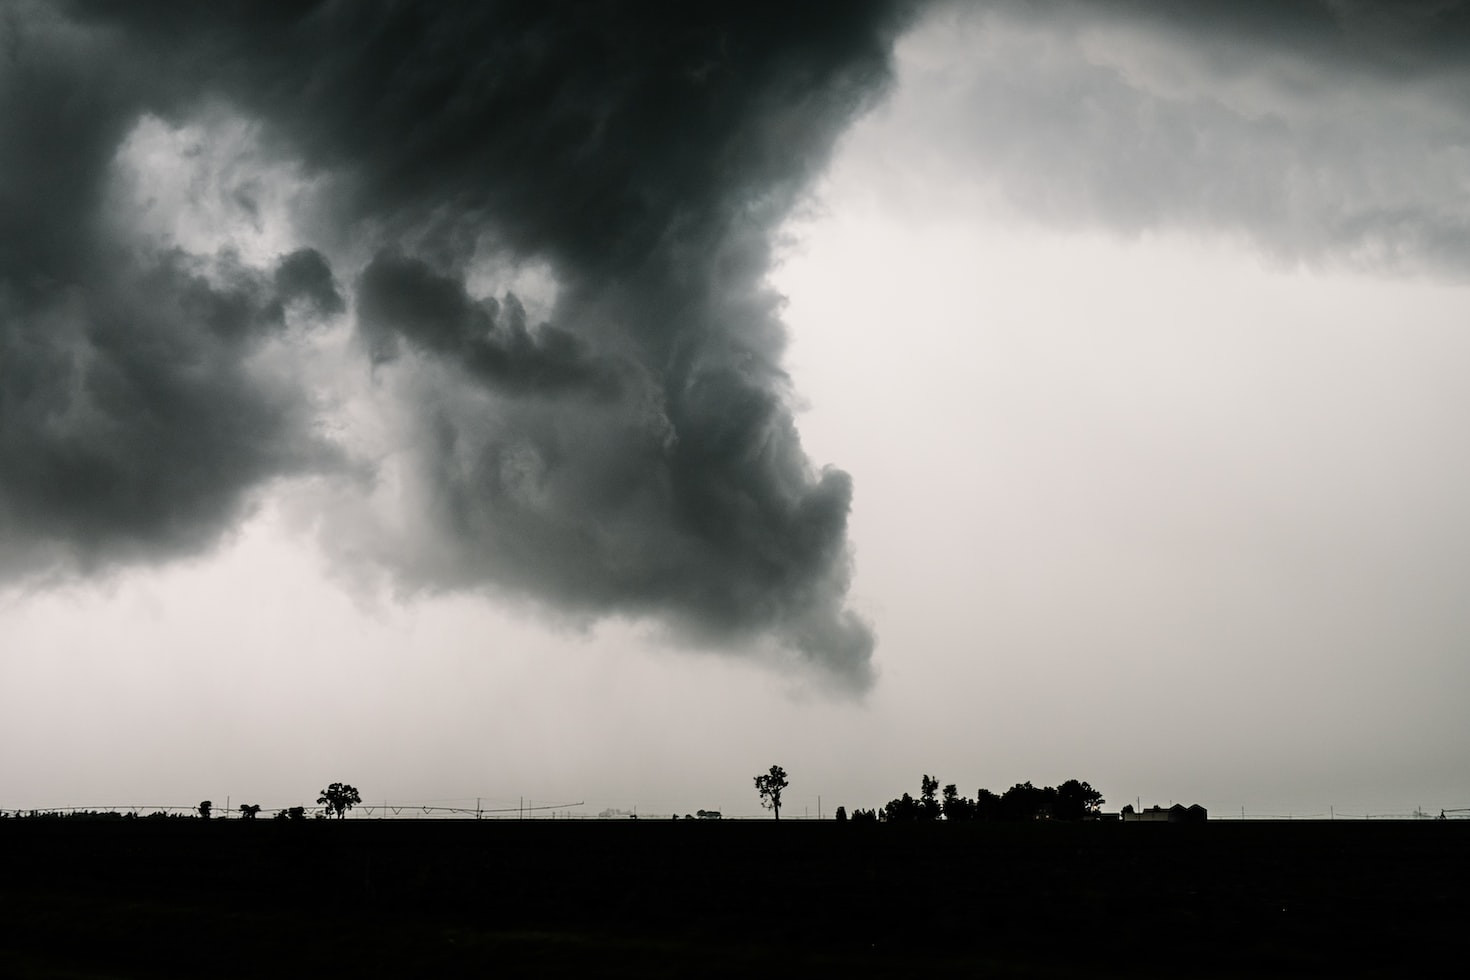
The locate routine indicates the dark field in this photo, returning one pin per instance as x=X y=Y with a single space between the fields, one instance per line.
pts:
x=150 y=898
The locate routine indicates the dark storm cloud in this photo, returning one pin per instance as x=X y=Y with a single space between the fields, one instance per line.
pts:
x=131 y=422
x=131 y=426
x=1322 y=131
x=632 y=451
x=403 y=297
x=1416 y=37
x=304 y=276
x=1393 y=37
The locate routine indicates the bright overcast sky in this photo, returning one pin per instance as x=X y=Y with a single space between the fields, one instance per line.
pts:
x=494 y=404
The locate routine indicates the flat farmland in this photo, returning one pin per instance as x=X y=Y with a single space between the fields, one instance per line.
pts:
x=150 y=898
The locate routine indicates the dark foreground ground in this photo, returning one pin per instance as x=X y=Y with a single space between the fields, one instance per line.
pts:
x=148 y=898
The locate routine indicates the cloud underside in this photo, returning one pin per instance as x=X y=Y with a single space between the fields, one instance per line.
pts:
x=1321 y=132
x=627 y=449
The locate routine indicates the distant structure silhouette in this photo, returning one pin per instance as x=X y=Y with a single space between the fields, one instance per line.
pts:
x=1178 y=813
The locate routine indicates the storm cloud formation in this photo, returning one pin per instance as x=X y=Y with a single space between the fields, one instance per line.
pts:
x=628 y=449
x=1322 y=131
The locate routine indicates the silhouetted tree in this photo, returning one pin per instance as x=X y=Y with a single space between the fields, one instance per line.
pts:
x=769 y=785
x=928 y=802
x=841 y=814
x=957 y=807
x=292 y=813
x=864 y=816
x=204 y=809
x=339 y=798
x=987 y=805
x=905 y=809
x=1077 y=801
x=249 y=810
x=1026 y=802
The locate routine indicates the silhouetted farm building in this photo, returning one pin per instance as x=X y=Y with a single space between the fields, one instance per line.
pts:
x=1178 y=813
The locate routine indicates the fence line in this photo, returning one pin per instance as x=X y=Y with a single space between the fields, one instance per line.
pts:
x=359 y=811
x=379 y=810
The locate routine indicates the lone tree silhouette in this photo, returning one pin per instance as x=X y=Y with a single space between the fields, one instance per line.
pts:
x=770 y=785
x=249 y=810
x=204 y=809
x=338 y=798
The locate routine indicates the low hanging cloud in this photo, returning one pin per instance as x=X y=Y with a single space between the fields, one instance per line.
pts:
x=1322 y=132
x=629 y=449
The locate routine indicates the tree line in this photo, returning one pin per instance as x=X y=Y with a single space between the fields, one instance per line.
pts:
x=1072 y=800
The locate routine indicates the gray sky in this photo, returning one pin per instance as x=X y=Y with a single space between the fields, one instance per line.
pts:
x=1005 y=392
